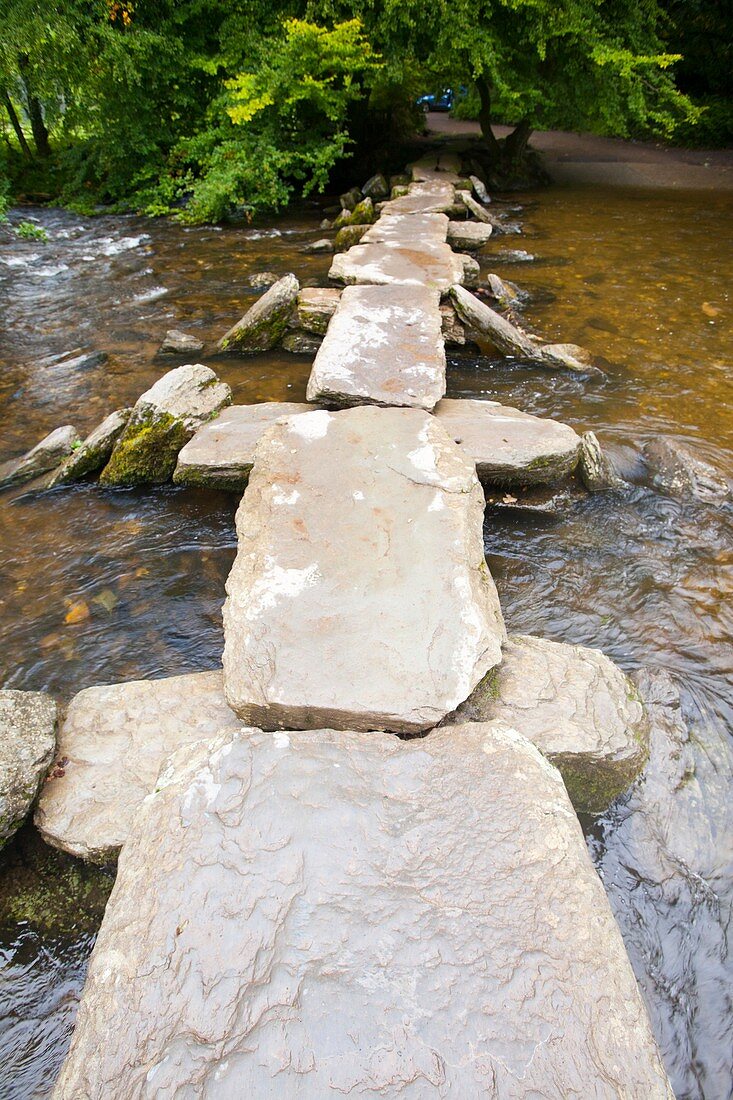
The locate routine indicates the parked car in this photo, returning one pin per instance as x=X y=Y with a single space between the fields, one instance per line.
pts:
x=435 y=102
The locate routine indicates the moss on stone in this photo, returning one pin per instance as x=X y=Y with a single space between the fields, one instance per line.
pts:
x=146 y=451
x=198 y=479
x=593 y=786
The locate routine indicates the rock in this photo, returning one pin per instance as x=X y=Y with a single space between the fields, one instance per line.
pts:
x=401 y=179
x=384 y=346
x=506 y=337
x=399 y=190
x=264 y=325
x=350 y=198
x=316 y=247
x=301 y=343
x=376 y=187
x=362 y=214
x=317 y=914
x=348 y=236
x=543 y=500
x=471 y=271
x=595 y=470
x=576 y=706
x=453 y=330
x=45 y=456
x=479 y=190
x=407 y=229
x=422 y=198
x=221 y=454
x=326 y=224
x=468 y=236
x=262 y=278
x=163 y=419
x=509 y=446
x=436 y=166
x=27 y=743
x=475 y=208
x=180 y=343
x=360 y=538
x=569 y=357
x=87 y=361
x=676 y=470
x=111 y=746
x=428 y=263
x=315 y=307
x=505 y=293
x=94 y=452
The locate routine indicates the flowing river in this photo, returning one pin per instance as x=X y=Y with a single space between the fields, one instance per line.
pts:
x=101 y=586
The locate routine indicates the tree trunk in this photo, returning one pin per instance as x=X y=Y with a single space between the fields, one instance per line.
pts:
x=484 y=118
x=516 y=142
x=35 y=112
x=15 y=123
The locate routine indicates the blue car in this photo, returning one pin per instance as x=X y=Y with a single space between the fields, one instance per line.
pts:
x=442 y=102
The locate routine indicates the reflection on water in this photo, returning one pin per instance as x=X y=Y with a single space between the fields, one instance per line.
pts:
x=100 y=586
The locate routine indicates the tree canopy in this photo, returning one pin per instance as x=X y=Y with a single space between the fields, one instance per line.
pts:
x=205 y=107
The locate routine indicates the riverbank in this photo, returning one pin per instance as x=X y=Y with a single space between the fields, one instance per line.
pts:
x=587 y=158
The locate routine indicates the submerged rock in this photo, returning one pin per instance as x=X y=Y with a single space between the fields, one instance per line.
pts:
x=315 y=307
x=595 y=470
x=45 y=456
x=111 y=746
x=180 y=343
x=360 y=596
x=94 y=452
x=468 y=236
x=323 y=245
x=570 y=357
x=264 y=325
x=481 y=319
x=576 y=706
x=163 y=419
x=27 y=743
x=332 y=913
x=676 y=470
x=262 y=279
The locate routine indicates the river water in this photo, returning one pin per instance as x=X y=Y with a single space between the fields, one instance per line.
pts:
x=104 y=586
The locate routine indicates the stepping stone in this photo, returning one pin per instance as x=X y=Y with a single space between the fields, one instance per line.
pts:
x=427 y=263
x=221 y=454
x=27 y=743
x=408 y=228
x=359 y=598
x=576 y=706
x=440 y=166
x=320 y=914
x=432 y=197
x=509 y=446
x=111 y=746
x=384 y=346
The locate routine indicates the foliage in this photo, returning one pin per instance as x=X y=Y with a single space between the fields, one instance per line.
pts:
x=29 y=231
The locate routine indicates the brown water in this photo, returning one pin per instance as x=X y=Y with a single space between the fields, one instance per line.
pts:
x=642 y=279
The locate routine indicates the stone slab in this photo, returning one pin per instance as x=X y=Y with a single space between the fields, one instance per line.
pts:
x=576 y=706
x=420 y=263
x=359 y=597
x=430 y=197
x=510 y=446
x=408 y=228
x=111 y=746
x=468 y=236
x=384 y=346
x=27 y=743
x=484 y=321
x=320 y=914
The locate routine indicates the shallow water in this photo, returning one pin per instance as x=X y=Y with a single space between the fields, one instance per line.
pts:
x=642 y=279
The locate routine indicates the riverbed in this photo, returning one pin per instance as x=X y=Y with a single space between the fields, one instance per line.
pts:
x=100 y=586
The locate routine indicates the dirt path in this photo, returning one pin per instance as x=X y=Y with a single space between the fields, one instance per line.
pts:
x=585 y=158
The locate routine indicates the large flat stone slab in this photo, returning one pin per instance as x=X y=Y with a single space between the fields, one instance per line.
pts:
x=322 y=914
x=428 y=263
x=111 y=746
x=576 y=706
x=222 y=452
x=431 y=197
x=408 y=228
x=384 y=346
x=27 y=743
x=510 y=446
x=359 y=597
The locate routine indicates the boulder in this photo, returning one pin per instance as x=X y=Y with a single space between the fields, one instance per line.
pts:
x=376 y=187
x=264 y=325
x=384 y=346
x=468 y=236
x=576 y=706
x=427 y=263
x=568 y=357
x=262 y=279
x=298 y=342
x=163 y=419
x=221 y=454
x=315 y=307
x=399 y=190
x=94 y=452
x=111 y=746
x=348 y=236
x=676 y=470
x=180 y=343
x=317 y=914
x=359 y=597
x=350 y=198
x=27 y=743
x=595 y=470
x=479 y=190
x=453 y=330
x=505 y=293
x=45 y=456
x=317 y=247
x=509 y=446
x=362 y=214
x=476 y=208
x=486 y=322
x=326 y=223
